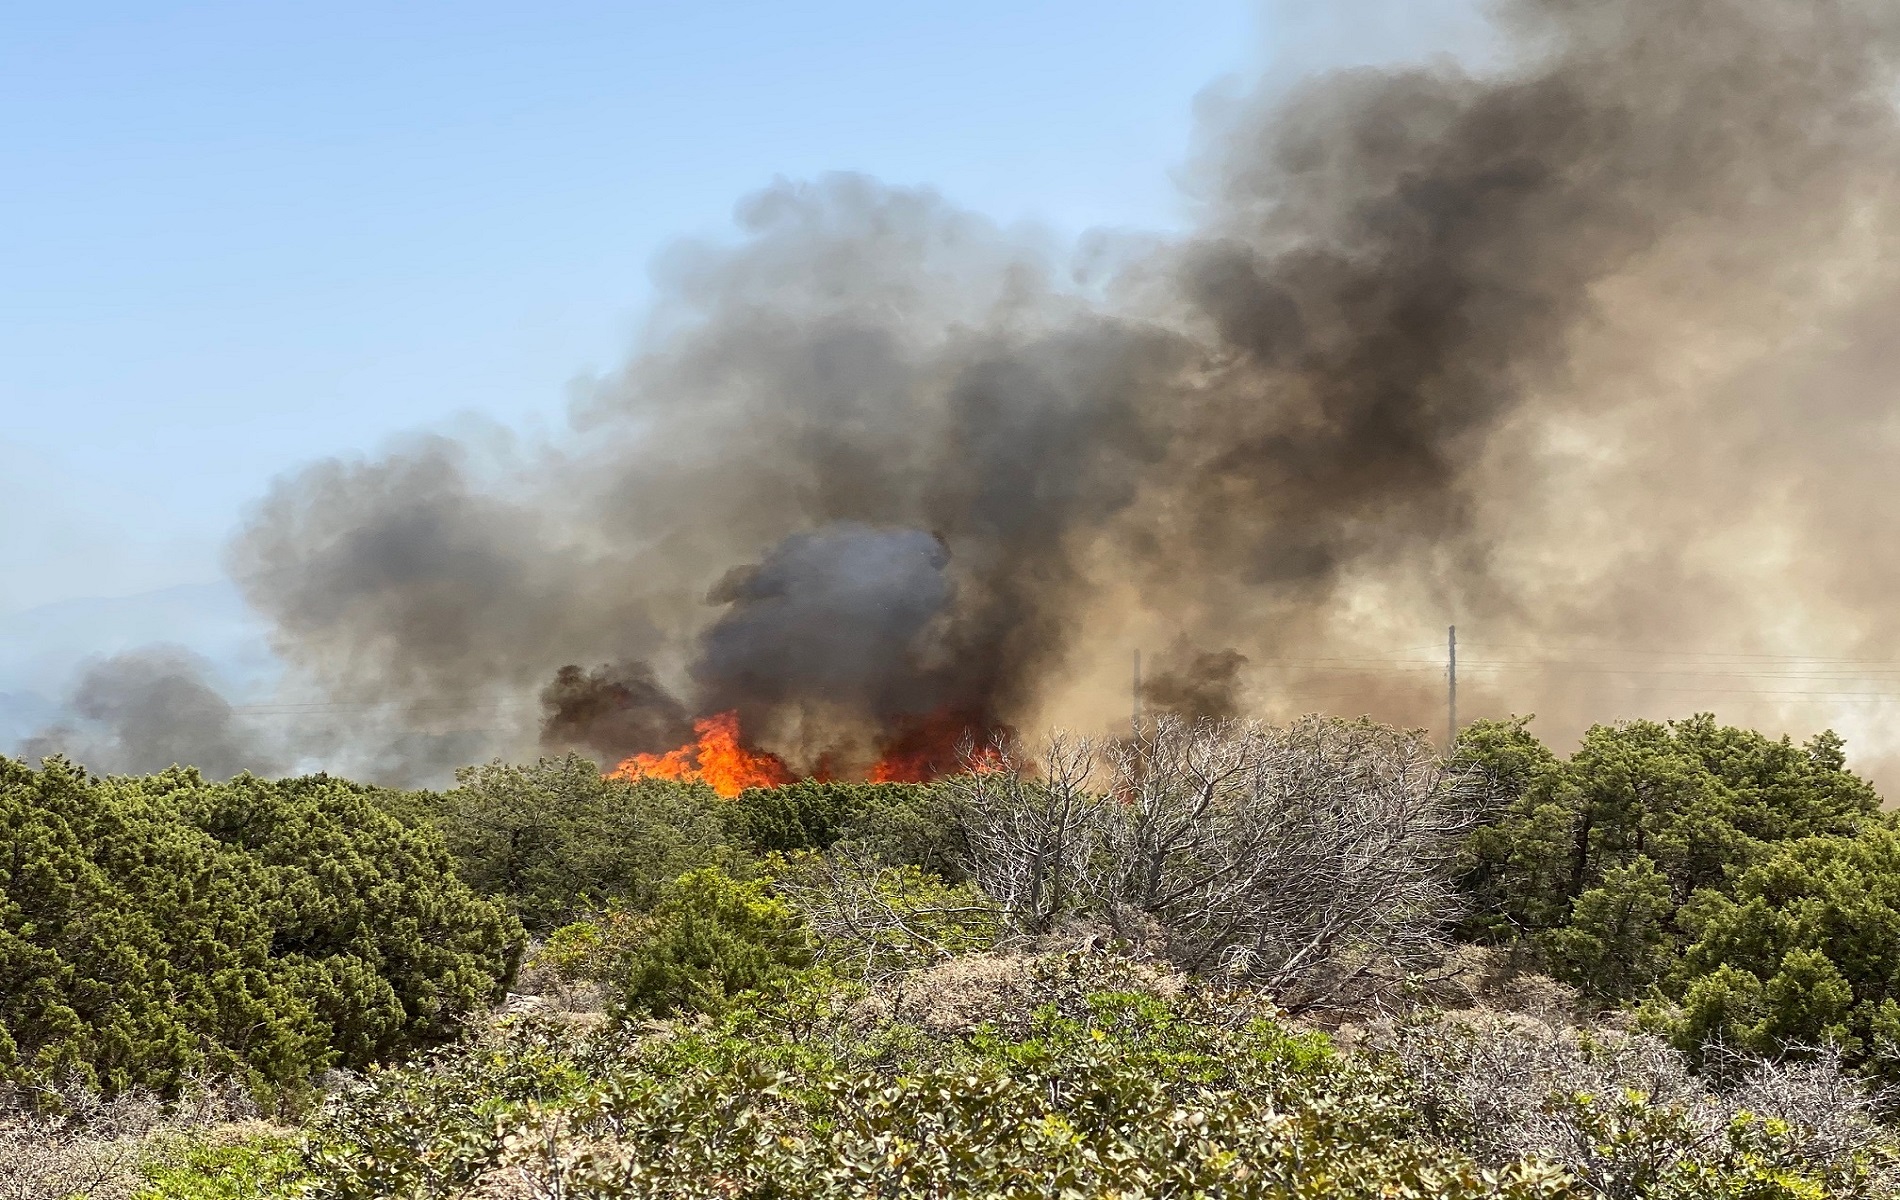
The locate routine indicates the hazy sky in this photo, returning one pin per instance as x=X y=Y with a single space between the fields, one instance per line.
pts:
x=236 y=236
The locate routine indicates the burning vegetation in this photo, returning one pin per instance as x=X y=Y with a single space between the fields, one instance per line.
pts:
x=716 y=757
x=917 y=752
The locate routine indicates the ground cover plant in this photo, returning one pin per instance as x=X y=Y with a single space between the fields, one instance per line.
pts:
x=1111 y=1082
x=1083 y=1074
x=1080 y=968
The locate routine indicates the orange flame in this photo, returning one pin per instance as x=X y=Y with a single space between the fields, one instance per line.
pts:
x=718 y=759
x=920 y=749
x=927 y=747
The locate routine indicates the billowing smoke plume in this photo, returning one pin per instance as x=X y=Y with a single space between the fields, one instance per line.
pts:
x=1197 y=684
x=1591 y=347
x=840 y=616
x=611 y=711
x=144 y=711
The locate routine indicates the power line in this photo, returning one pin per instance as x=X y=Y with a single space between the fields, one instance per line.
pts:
x=1714 y=673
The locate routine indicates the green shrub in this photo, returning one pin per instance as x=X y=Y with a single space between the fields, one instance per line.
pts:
x=1091 y=1076
x=896 y=824
x=709 y=939
x=432 y=1128
x=1620 y=935
x=1101 y=1085
x=807 y=815
x=557 y=840
x=587 y=950
x=1801 y=952
x=156 y=928
x=1590 y=858
x=265 y=1169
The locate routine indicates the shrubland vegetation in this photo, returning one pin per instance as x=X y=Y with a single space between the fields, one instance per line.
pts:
x=161 y=929
x=1320 y=960
x=1744 y=892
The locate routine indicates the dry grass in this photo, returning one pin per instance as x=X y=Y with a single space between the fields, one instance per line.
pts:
x=1504 y=1086
x=63 y=1142
x=954 y=997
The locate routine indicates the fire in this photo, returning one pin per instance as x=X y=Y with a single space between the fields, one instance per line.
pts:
x=718 y=758
x=923 y=748
x=919 y=750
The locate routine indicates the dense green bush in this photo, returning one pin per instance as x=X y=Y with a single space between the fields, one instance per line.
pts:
x=895 y=824
x=807 y=815
x=1804 y=949
x=244 y=1170
x=1589 y=859
x=557 y=840
x=156 y=928
x=709 y=939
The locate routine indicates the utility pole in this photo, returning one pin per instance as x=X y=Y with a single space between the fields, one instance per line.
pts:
x=1134 y=724
x=1451 y=691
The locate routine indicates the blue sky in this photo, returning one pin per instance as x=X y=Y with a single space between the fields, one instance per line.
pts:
x=238 y=236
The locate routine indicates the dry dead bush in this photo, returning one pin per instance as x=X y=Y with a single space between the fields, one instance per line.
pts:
x=1832 y=1114
x=1498 y=980
x=63 y=1141
x=954 y=997
x=1311 y=861
x=1618 y=1107
x=552 y=984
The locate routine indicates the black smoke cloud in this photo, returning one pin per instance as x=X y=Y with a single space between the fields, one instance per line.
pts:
x=838 y=614
x=612 y=711
x=1587 y=345
x=1197 y=684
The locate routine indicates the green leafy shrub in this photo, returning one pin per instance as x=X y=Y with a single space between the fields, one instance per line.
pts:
x=578 y=967
x=1089 y=1076
x=262 y=1169
x=1621 y=934
x=894 y=824
x=558 y=840
x=1590 y=859
x=435 y=1127
x=158 y=928
x=710 y=938
x=1110 y=1082
x=1800 y=953
x=807 y=815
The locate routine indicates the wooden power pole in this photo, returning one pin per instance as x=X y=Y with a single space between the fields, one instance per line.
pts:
x=1134 y=723
x=1451 y=690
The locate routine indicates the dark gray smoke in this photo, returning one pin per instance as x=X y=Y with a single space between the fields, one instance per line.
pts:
x=1197 y=684
x=839 y=615
x=1588 y=346
x=145 y=711
x=612 y=711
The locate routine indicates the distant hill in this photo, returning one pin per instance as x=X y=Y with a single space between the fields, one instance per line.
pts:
x=42 y=648
x=21 y=714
